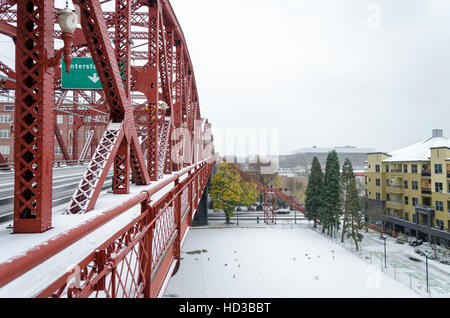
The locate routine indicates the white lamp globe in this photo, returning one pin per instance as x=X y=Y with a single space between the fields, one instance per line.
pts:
x=67 y=20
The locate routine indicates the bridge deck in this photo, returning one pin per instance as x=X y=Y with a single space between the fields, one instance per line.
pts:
x=35 y=280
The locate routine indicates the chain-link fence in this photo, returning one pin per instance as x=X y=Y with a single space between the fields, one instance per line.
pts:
x=415 y=276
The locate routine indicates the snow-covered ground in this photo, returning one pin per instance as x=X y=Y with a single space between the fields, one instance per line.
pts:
x=285 y=260
x=403 y=262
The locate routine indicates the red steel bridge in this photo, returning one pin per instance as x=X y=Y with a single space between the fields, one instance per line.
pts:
x=156 y=142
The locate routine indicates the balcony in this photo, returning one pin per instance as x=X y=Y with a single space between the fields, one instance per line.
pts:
x=448 y=174
x=426 y=173
x=394 y=204
x=392 y=188
x=426 y=191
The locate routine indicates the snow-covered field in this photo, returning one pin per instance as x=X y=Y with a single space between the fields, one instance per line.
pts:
x=274 y=261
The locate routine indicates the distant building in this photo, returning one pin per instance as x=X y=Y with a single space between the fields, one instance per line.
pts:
x=411 y=186
x=66 y=123
x=289 y=173
x=302 y=158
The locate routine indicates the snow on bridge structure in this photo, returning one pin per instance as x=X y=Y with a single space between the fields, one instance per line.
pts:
x=125 y=243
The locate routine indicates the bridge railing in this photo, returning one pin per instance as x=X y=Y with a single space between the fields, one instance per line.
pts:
x=136 y=261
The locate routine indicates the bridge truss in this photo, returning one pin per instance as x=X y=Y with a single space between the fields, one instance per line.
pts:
x=149 y=111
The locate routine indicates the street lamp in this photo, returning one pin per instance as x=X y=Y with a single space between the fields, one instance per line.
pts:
x=163 y=105
x=67 y=21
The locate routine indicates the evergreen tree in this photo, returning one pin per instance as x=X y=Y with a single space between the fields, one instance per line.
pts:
x=313 y=192
x=329 y=212
x=351 y=205
x=346 y=177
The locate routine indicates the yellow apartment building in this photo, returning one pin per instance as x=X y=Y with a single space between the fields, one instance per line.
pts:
x=410 y=188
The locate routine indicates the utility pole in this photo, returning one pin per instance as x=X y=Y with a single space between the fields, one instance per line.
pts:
x=426 y=265
x=385 y=252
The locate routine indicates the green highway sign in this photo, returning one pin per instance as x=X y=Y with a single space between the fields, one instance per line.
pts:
x=83 y=74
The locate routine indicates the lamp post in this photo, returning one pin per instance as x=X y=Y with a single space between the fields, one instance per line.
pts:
x=67 y=21
x=385 y=252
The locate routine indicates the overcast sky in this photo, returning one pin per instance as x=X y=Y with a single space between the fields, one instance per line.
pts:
x=324 y=72
x=320 y=70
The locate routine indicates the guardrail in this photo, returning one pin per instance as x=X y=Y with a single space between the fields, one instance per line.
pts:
x=136 y=260
x=56 y=163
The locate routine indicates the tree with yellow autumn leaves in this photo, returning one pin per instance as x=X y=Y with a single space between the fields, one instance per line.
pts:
x=229 y=190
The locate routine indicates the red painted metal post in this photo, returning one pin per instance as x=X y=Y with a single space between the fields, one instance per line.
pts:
x=177 y=211
x=191 y=205
x=152 y=93
x=121 y=179
x=34 y=139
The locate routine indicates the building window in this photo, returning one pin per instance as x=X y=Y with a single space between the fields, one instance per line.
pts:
x=414 y=218
x=413 y=168
x=440 y=224
x=387 y=168
x=9 y=107
x=5 y=133
x=415 y=185
x=70 y=119
x=438 y=168
x=406 y=200
x=377 y=182
x=377 y=168
x=4 y=149
x=387 y=183
x=415 y=201
x=406 y=216
x=70 y=134
x=439 y=206
x=405 y=184
x=57 y=150
x=378 y=197
x=405 y=168
x=438 y=187
x=5 y=118
x=59 y=119
x=69 y=150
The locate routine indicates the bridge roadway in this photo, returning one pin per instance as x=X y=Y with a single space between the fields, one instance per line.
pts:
x=65 y=180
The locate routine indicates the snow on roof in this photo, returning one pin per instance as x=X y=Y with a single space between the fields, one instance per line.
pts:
x=346 y=149
x=420 y=151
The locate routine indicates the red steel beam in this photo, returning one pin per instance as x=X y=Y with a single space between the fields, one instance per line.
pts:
x=33 y=139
